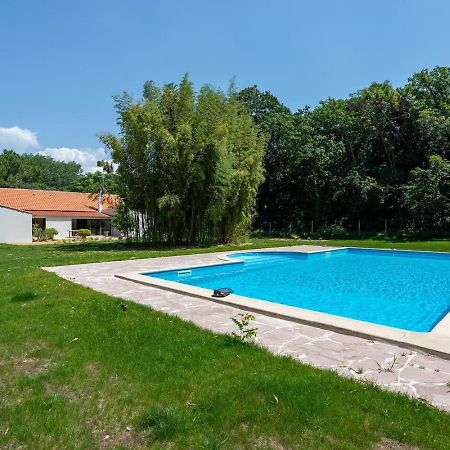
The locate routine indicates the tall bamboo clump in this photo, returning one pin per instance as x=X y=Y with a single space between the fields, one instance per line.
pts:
x=189 y=164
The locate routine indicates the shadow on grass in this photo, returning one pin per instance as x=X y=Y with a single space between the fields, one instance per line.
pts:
x=113 y=247
x=124 y=246
x=403 y=237
x=24 y=297
x=164 y=423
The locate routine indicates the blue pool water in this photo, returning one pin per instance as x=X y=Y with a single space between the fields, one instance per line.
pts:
x=408 y=290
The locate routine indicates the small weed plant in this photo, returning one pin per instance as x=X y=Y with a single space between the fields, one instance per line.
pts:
x=245 y=332
x=389 y=367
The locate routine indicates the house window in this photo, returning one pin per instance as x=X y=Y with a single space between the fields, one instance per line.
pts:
x=78 y=224
x=39 y=221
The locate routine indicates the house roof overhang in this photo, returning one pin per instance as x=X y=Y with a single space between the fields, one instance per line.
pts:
x=15 y=209
x=71 y=214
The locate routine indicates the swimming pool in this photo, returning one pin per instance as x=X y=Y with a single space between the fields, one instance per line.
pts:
x=406 y=290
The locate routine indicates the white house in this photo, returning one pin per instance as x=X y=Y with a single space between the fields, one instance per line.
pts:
x=65 y=211
x=15 y=225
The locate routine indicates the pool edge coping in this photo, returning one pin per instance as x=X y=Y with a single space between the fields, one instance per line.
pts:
x=436 y=341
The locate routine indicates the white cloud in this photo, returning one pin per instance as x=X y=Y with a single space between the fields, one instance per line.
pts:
x=18 y=139
x=87 y=157
x=21 y=140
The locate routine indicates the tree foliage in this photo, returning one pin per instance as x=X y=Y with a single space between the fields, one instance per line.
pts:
x=92 y=182
x=36 y=171
x=427 y=194
x=189 y=164
x=379 y=155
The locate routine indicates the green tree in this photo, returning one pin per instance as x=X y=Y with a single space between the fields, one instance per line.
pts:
x=276 y=124
x=315 y=168
x=93 y=182
x=189 y=164
x=427 y=194
x=427 y=95
x=349 y=160
x=36 y=171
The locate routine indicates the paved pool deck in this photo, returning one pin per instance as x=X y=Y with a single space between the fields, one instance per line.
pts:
x=393 y=367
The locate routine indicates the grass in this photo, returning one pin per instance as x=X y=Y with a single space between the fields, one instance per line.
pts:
x=77 y=371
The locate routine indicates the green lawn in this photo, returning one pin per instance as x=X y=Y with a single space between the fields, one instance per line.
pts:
x=76 y=371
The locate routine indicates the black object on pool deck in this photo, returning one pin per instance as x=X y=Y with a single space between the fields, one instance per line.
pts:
x=222 y=292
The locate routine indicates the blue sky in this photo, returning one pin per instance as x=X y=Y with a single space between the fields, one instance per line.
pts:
x=63 y=61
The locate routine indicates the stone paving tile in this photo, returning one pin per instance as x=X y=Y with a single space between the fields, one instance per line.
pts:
x=394 y=368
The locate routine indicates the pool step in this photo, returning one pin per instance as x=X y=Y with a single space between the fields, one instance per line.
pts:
x=265 y=261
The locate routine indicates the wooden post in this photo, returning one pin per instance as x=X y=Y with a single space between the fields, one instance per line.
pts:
x=312 y=226
x=359 y=227
x=385 y=226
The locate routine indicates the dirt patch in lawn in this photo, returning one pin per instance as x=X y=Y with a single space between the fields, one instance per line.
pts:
x=272 y=443
x=127 y=438
x=73 y=395
x=93 y=369
x=391 y=444
x=32 y=366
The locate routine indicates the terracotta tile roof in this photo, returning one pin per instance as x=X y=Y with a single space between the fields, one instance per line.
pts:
x=77 y=214
x=57 y=203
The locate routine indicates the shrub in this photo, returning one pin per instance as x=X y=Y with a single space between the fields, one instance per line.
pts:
x=335 y=231
x=44 y=235
x=50 y=233
x=38 y=232
x=83 y=233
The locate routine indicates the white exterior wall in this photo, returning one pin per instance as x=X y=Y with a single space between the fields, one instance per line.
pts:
x=62 y=224
x=15 y=226
x=114 y=231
